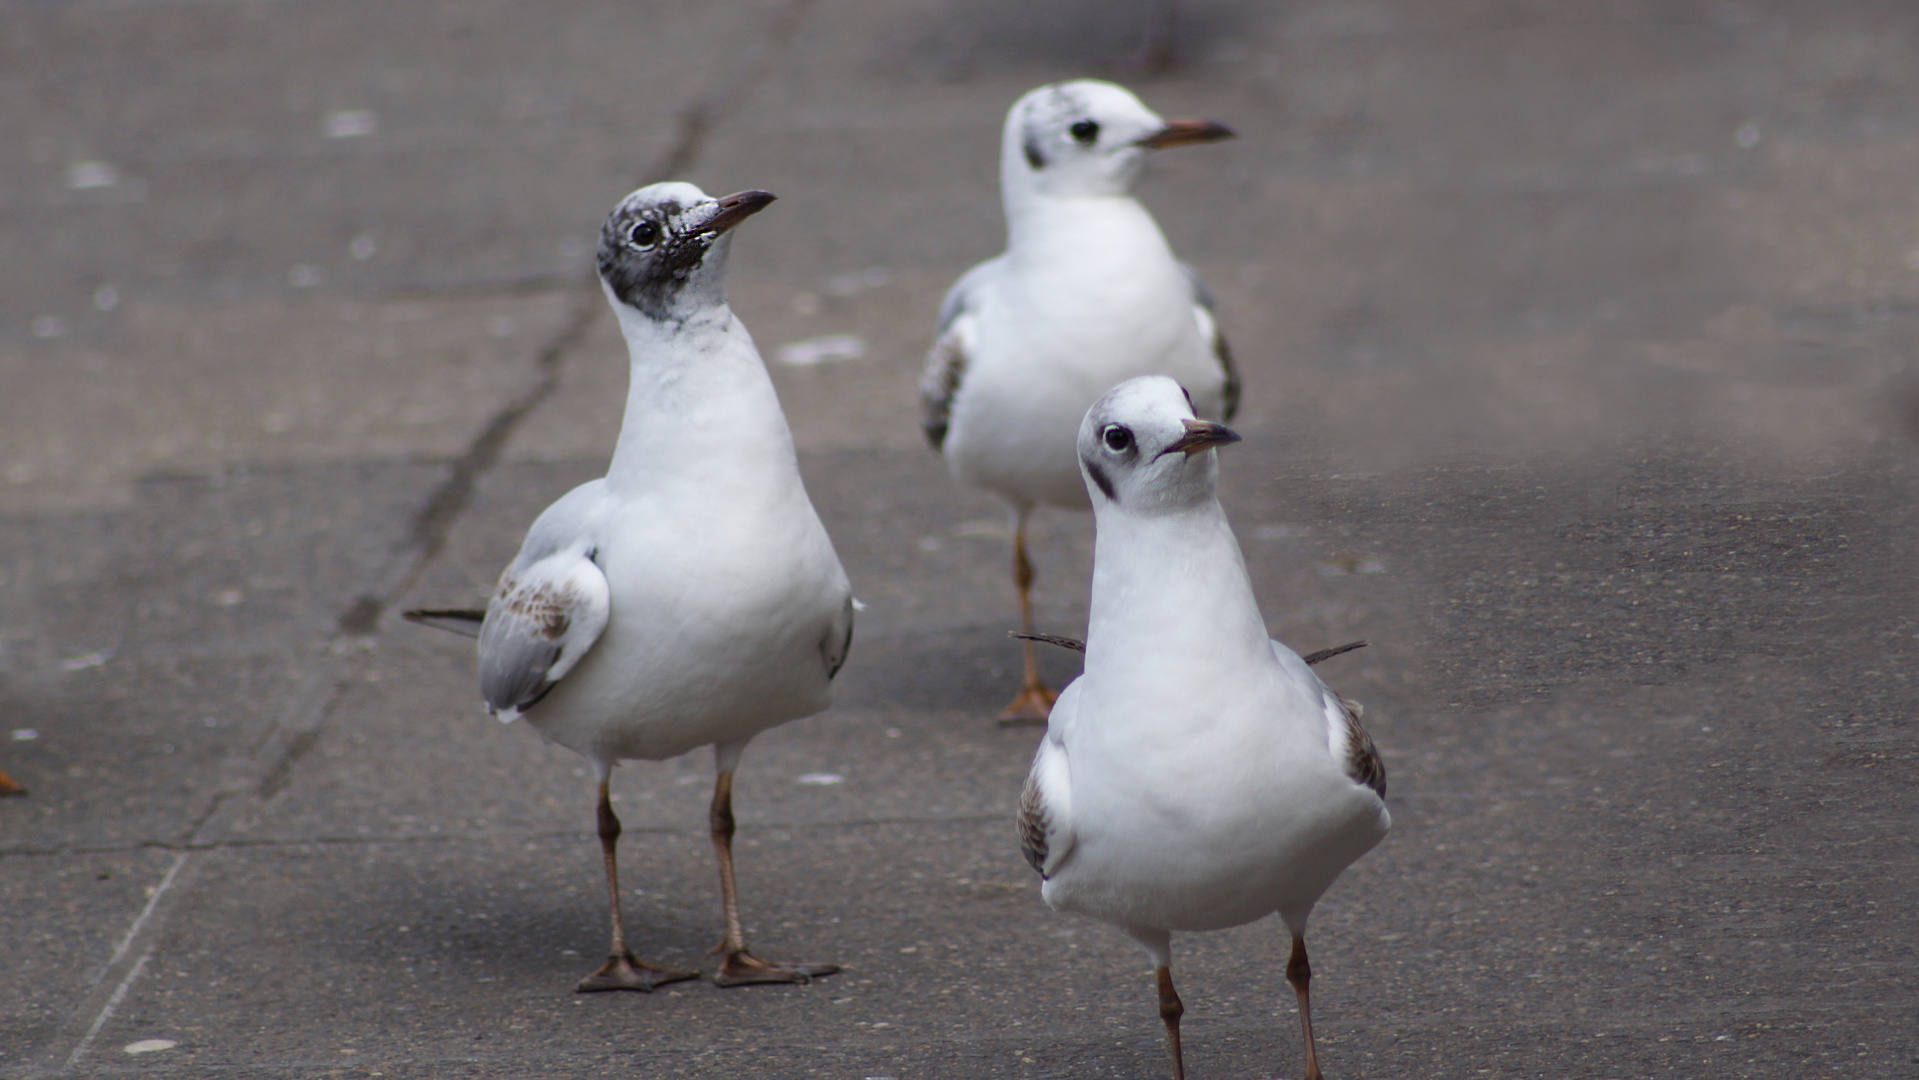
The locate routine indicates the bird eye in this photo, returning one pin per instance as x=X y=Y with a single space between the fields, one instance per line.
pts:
x=1117 y=438
x=644 y=235
x=1085 y=131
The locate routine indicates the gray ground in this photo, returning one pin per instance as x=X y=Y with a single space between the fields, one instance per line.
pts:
x=1578 y=343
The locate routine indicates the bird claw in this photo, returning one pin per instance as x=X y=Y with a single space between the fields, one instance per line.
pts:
x=1031 y=708
x=744 y=969
x=629 y=972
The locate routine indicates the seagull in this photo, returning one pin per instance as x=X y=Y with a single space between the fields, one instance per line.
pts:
x=1198 y=775
x=691 y=597
x=1087 y=295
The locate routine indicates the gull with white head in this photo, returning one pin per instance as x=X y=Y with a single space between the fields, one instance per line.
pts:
x=1087 y=295
x=1198 y=775
x=691 y=597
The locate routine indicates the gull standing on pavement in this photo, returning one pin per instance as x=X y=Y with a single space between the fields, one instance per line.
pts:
x=1198 y=775
x=1086 y=296
x=691 y=597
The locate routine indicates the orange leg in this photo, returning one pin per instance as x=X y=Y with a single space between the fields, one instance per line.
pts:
x=1170 y=1010
x=1300 y=974
x=1034 y=702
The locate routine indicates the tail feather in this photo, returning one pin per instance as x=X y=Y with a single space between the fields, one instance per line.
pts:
x=462 y=621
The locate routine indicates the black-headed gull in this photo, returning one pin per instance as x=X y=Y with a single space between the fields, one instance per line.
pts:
x=691 y=597
x=1087 y=295
x=1199 y=775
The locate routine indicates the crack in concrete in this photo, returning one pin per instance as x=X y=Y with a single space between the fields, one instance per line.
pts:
x=426 y=537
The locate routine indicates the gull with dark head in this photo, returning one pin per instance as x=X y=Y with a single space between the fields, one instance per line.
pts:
x=1087 y=295
x=691 y=597
x=1199 y=775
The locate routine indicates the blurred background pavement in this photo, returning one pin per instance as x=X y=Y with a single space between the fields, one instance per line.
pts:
x=1579 y=344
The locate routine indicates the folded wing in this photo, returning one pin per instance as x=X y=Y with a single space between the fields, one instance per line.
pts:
x=543 y=618
x=947 y=361
x=1209 y=332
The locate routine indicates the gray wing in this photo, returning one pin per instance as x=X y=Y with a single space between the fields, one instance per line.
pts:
x=550 y=607
x=839 y=640
x=1346 y=737
x=1209 y=331
x=947 y=361
x=1046 y=835
x=1363 y=762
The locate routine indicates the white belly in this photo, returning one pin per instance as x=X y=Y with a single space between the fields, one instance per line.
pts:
x=711 y=638
x=1208 y=832
x=1038 y=366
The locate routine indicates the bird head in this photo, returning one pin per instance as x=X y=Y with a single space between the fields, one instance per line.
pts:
x=664 y=247
x=1087 y=139
x=1143 y=451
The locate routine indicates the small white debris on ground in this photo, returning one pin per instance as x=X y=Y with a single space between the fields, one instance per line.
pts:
x=148 y=1046
x=348 y=123
x=821 y=779
x=822 y=350
x=844 y=285
x=88 y=175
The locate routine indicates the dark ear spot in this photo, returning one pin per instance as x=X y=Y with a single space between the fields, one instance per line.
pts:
x=1100 y=478
x=1033 y=157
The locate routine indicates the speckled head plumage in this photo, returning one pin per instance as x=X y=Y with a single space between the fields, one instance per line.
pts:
x=664 y=247
x=1088 y=138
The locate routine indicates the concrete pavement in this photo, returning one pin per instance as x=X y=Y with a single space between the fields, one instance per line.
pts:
x=1578 y=344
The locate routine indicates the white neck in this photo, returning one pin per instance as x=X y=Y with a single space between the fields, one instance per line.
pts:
x=700 y=406
x=1170 y=593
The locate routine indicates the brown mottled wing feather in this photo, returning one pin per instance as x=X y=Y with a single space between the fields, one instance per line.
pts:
x=1229 y=394
x=945 y=367
x=1223 y=352
x=1363 y=762
x=946 y=362
x=1032 y=825
x=543 y=618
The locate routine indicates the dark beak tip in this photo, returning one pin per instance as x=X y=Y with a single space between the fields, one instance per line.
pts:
x=751 y=200
x=1187 y=133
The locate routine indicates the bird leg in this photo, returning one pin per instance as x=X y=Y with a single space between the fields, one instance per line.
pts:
x=1300 y=974
x=1035 y=701
x=1170 y=1010
x=622 y=970
x=9 y=787
x=737 y=966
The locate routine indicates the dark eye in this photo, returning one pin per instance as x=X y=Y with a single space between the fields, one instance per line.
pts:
x=644 y=235
x=1085 y=131
x=1118 y=439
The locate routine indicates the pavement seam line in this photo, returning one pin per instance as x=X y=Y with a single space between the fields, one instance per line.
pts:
x=146 y=914
x=106 y=1014
x=435 y=520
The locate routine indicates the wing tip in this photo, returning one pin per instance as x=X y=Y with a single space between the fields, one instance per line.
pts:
x=463 y=621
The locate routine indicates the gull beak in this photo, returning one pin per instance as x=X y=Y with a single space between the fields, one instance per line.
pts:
x=1185 y=133
x=736 y=208
x=1201 y=435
